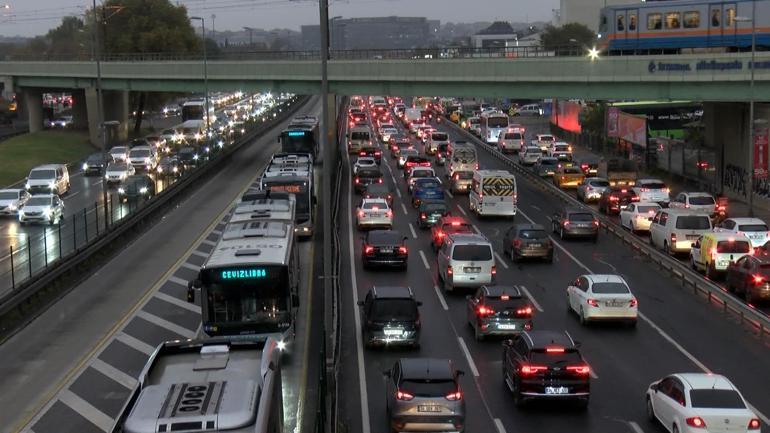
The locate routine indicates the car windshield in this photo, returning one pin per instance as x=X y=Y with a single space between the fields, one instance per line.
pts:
x=42 y=174
x=472 y=252
x=733 y=247
x=465 y=175
x=581 y=217
x=546 y=138
x=372 y=205
x=573 y=170
x=118 y=149
x=609 y=288
x=409 y=152
x=428 y=388
x=377 y=188
x=39 y=201
x=561 y=148
x=365 y=161
x=168 y=132
x=95 y=158
x=535 y=150
x=652 y=185
x=423 y=173
x=647 y=209
x=693 y=222
x=716 y=399
x=9 y=195
x=554 y=358
x=512 y=136
x=600 y=183
x=753 y=228
x=117 y=167
x=140 y=153
x=533 y=234
x=702 y=200
x=398 y=309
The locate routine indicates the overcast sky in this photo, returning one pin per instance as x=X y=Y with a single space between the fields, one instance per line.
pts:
x=34 y=17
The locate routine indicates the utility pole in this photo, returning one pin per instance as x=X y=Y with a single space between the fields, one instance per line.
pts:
x=99 y=112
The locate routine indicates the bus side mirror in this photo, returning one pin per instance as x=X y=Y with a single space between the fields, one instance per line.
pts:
x=192 y=286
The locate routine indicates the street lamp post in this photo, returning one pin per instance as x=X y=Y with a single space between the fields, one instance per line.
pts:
x=752 y=133
x=99 y=112
x=205 y=73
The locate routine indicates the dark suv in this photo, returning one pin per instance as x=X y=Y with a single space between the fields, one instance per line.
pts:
x=545 y=365
x=498 y=310
x=573 y=222
x=390 y=317
x=424 y=394
x=527 y=240
x=384 y=248
x=366 y=177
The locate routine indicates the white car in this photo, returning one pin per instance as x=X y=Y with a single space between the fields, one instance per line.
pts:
x=654 y=190
x=119 y=153
x=171 y=135
x=11 y=200
x=406 y=153
x=118 y=172
x=374 y=213
x=602 y=297
x=386 y=133
x=699 y=403
x=561 y=151
x=543 y=141
x=637 y=216
x=42 y=208
x=530 y=155
x=592 y=189
x=753 y=228
x=695 y=201
x=143 y=157
x=364 y=162
x=417 y=173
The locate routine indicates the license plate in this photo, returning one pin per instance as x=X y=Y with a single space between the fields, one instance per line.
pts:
x=755 y=237
x=472 y=270
x=507 y=326
x=614 y=304
x=393 y=332
x=386 y=250
x=428 y=408
x=692 y=237
x=535 y=245
x=556 y=390
x=375 y=215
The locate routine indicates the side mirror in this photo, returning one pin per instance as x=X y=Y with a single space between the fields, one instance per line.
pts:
x=649 y=218
x=360 y=303
x=419 y=303
x=654 y=387
x=693 y=246
x=406 y=238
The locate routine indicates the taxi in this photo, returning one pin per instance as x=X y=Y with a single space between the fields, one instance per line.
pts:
x=568 y=176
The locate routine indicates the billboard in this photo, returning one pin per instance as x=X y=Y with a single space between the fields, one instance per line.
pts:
x=760 y=152
x=627 y=127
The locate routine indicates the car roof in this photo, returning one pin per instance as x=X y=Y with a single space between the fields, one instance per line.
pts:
x=374 y=200
x=604 y=278
x=649 y=180
x=747 y=220
x=592 y=179
x=372 y=235
x=706 y=380
x=498 y=290
x=647 y=203
x=43 y=195
x=726 y=235
x=541 y=339
x=392 y=292
x=468 y=238
x=426 y=368
x=697 y=194
x=575 y=210
x=451 y=218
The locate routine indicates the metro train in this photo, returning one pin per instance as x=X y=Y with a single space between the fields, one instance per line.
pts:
x=684 y=26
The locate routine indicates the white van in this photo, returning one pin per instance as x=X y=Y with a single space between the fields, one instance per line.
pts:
x=493 y=192
x=466 y=260
x=49 y=178
x=675 y=230
x=358 y=138
x=193 y=130
x=529 y=110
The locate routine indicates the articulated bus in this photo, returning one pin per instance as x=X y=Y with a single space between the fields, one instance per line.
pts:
x=249 y=284
x=492 y=124
x=300 y=183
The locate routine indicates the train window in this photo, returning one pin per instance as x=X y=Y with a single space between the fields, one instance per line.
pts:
x=654 y=21
x=729 y=17
x=621 y=23
x=672 y=20
x=632 y=22
x=716 y=17
x=692 y=20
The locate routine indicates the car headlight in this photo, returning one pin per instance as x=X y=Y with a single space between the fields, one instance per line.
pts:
x=26 y=185
x=160 y=169
x=85 y=166
x=220 y=143
x=123 y=176
x=195 y=157
x=207 y=149
x=121 y=191
x=197 y=136
x=51 y=185
x=143 y=190
x=12 y=207
x=47 y=212
x=176 y=169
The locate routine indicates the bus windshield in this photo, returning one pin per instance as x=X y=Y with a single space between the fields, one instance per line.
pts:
x=257 y=297
x=297 y=141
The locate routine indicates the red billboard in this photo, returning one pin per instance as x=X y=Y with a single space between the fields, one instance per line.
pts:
x=566 y=115
x=630 y=128
x=760 y=152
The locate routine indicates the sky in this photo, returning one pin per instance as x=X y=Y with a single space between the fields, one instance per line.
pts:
x=35 y=17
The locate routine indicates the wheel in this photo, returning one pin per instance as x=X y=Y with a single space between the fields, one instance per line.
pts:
x=595 y=239
x=665 y=247
x=582 y=403
x=518 y=399
x=711 y=272
x=633 y=227
x=553 y=227
x=676 y=429
x=549 y=258
x=650 y=411
x=477 y=334
x=582 y=317
x=514 y=256
x=695 y=267
x=632 y=324
x=561 y=233
x=748 y=295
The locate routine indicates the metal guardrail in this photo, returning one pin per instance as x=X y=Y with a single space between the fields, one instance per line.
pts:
x=686 y=276
x=19 y=299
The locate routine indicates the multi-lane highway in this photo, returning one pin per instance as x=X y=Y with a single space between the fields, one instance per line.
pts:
x=72 y=369
x=677 y=331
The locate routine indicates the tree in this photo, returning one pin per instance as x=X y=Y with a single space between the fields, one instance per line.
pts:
x=592 y=118
x=567 y=38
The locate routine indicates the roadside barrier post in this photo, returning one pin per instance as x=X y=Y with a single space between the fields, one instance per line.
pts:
x=13 y=275
x=29 y=256
x=59 y=236
x=85 y=224
x=74 y=234
x=45 y=247
x=96 y=215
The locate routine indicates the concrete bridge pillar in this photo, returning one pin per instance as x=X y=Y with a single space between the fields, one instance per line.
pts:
x=79 y=109
x=115 y=106
x=33 y=102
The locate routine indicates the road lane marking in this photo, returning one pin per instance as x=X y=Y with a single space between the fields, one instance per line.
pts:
x=531 y=298
x=449 y=193
x=96 y=183
x=476 y=229
x=462 y=211
x=467 y=353
x=365 y=423
x=200 y=254
x=406 y=211
x=208 y=242
x=499 y=425
x=559 y=246
x=216 y=232
x=500 y=260
x=635 y=427
x=72 y=194
x=441 y=298
x=177 y=280
x=424 y=260
x=163 y=323
x=411 y=228
x=535 y=207
x=178 y=302
x=113 y=373
x=135 y=343
x=86 y=410
x=191 y=266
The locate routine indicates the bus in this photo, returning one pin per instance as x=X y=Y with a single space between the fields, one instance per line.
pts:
x=194 y=109
x=249 y=283
x=300 y=183
x=301 y=136
x=492 y=124
x=277 y=206
x=212 y=385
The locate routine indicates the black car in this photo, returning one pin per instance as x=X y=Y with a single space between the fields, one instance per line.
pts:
x=574 y=222
x=384 y=248
x=545 y=365
x=140 y=142
x=188 y=157
x=95 y=163
x=498 y=310
x=379 y=190
x=527 y=240
x=391 y=317
x=169 y=166
x=137 y=187
x=429 y=212
x=365 y=177
x=749 y=277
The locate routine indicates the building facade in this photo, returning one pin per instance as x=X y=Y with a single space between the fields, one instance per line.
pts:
x=373 y=33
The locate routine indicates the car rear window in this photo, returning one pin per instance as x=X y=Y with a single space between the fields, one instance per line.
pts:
x=568 y=357
x=549 y=162
x=139 y=153
x=512 y=136
x=500 y=304
x=693 y=222
x=734 y=247
x=647 y=209
x=385 y=238
x=359 y=136
x=434 y=207
x=375 y=204
x=472 y=252
x=701 y=200
x=428 y=388
x=369 y=173
x=609 y=288
x=458 y=228
x=716 y=399
x=753 y=228
x=533 y=234
x=573 y=170
x=465 y=175
x=653 y=185
x=600 y=183
x=561 y=148
x=581 y=217
x=9 y=195
x=423 y=173
x=398 y=309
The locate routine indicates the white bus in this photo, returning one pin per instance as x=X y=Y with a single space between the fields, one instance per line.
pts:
x=271 y=206
x=249 y=284
x=493 y=192
x=213 y=385
x=492 y=124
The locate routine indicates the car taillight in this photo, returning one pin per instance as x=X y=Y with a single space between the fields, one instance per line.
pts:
x=494 y=270
x=403 y=250
x=673 y=238
x=633 y=303
x=361 y=214
x=596 y=223
x=524 y=312
x=454 y=396
x=477 y=166
x=423 y=216
x=402 y=395
x=369 y=249
x=579 y=369
x=696 y=422
x=635 y=198
x=517 y=242
x=754 y=424
x=614 y=198
x=667 y=190
x=377 y=153
x=592 y=302
x=389 y=214
x=449 y=270
x=440 y=234
x=483 y=310
x=379 y=180
x=362 y=153
x=357 y=180
x=532 y=369
x=758 y=279
x=566 y=223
